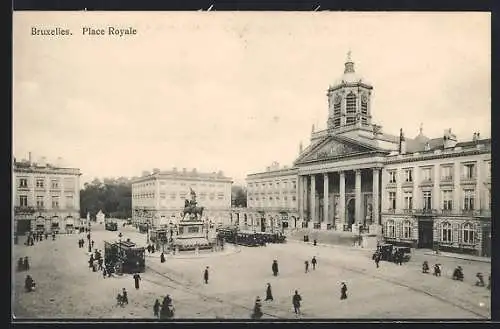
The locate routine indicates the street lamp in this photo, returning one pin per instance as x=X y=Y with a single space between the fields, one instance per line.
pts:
x=120 y=250
x=147 y=231
x=89 y=236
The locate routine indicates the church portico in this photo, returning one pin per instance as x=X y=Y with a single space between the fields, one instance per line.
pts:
x=339 y=199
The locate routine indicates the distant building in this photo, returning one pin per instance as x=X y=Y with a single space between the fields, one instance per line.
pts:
x=271 y=200
x=436 y=194
x=100 y=216
x=45 y=197
x=158 y=197
x=428 y=193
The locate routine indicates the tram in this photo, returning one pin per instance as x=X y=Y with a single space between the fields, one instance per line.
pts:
x=124 y=257
x=110 y=225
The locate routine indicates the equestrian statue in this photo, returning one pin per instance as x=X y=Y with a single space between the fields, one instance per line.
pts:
x=191 y=208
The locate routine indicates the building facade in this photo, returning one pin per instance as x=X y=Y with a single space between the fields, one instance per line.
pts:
x=158 y=197
x=436 y=194
x=45 y=197
x=355 y=177
x=271 y=200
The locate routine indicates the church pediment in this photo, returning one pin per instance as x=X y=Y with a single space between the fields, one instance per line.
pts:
x=333 y=148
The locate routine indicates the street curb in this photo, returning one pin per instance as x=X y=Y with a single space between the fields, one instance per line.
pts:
x=459 y=257
x=214 y=254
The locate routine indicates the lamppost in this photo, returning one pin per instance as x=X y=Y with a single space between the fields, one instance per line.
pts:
x=147 y=231
x=90 y=237
x=120 y=250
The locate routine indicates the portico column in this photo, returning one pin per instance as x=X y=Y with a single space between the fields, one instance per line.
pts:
x=357 y=190
x=375 y=194
x=342 y=198
x=313 y=198
x=325 y=198
x=304 y=197
x=300 y=196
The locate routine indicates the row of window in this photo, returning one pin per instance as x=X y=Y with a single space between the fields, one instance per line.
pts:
x=164 y=183
x=40 y=201
x=468 y=198
x=183 y=195
x=468 y=172
x=285 y=185
x=40 y=183
x=272 y=198
x=467 y=233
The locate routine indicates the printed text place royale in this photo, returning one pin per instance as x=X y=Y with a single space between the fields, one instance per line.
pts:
x=110 y=30
x=56 y=31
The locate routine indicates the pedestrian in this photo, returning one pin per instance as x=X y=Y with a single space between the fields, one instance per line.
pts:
x=257 y=309
x=296 y=299
x=29 y=283
x=53 y=236
x=377 y=258
x=104 y=273
x=314 y=262
x=26 y=264
x=306 y=263
x=152 y=249
x=46 y=236
x=315 y=242
x=99 y=262
x=149 y=248
x=20 y=265
x=400 y=258
x=205 y=275
x=343 y=291
x=167 y=309
x=162 y=257
x=274 y=267
x=124 y=296
x=88 y=236
x=425 y=267
x=137 y=278
x=437 y=270
x=92 y=244
x=156 y=308
x=269 y=293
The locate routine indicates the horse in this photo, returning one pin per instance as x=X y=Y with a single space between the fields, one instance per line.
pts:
x=193 y=210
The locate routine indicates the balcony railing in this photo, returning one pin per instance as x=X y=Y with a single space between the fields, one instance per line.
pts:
x=426 y=182
x=425 y=212
x=407 y=183
x=467 y=180
x=19 y=210
x=446 y=211
x=447 y=179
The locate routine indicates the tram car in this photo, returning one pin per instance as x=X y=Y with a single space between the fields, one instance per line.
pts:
x=110 y=225
x=388 y=251
x=227 y=233
x=124 y=256
x=158 y=235
x=269 y=237
x=249 y=239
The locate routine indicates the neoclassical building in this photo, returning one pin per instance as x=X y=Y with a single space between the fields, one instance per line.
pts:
x=158 y=197
x=345 y=179
x=46 y=197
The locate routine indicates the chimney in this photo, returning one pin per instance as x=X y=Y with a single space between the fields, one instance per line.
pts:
x=474 y=137
x=29 y=157
x=402 y=142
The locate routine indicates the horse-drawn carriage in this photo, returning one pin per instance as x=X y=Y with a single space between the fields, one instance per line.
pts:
x=388 y=252
x=124 y=257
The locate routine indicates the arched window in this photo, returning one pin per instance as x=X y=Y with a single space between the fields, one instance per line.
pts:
x=351 y=104
x=468 y=233
x=446 y=232
x=391 y=229
x=407 y=229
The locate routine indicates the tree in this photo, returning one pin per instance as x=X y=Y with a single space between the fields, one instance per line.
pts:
x=238 y=196
x=112 y=196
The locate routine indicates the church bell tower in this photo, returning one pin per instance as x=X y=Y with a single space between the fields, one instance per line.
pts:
x=349 y=100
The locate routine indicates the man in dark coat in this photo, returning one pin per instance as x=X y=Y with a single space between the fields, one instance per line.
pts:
x=274 y=267
x=296 y=299
x=205 y=275
x=343 y=291
x=20 y=265
x=156 y=308
x=377 y=258
x=162 y=257
x=314 y=262
x=306 y=263
x=137 y=277
x=26 y=264
x=257 y=309
x=125 y=296
x=28 y=283
x=149 y=248
x=269 y=293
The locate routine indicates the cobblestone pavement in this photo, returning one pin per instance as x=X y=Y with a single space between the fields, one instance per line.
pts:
x=67 y=288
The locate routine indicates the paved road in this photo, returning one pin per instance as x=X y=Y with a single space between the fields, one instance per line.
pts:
x=68 y=289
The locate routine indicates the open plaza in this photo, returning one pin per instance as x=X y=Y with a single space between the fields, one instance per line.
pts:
x=67 y=288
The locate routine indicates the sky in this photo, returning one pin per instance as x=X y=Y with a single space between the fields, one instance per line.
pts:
x=234 y=91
